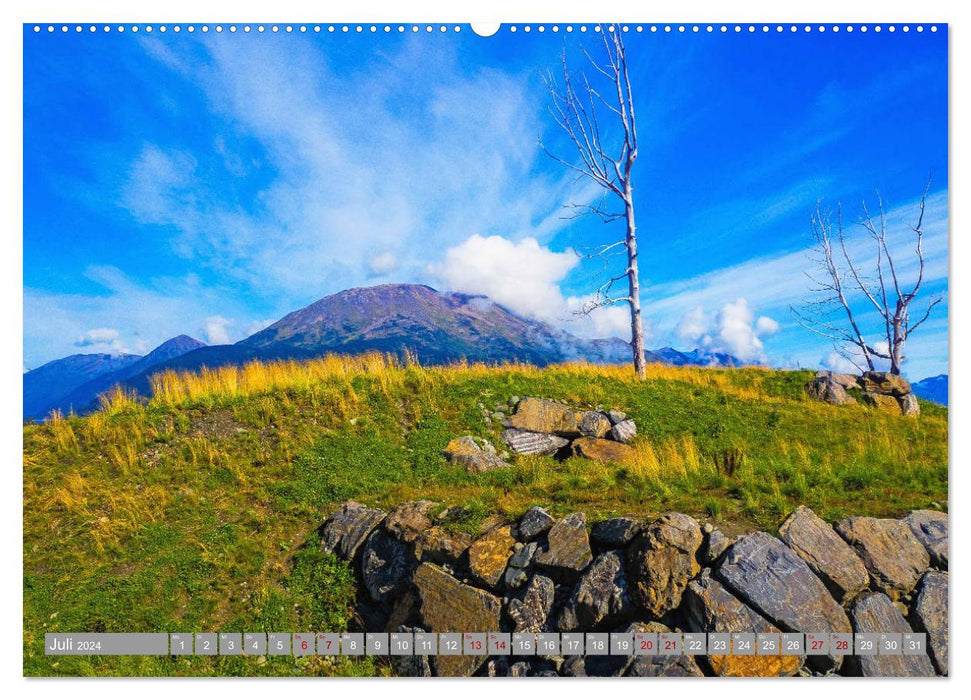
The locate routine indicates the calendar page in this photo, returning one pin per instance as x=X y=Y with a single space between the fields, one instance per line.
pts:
x=516 y=350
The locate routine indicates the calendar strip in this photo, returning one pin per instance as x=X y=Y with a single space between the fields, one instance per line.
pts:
x=486 y=643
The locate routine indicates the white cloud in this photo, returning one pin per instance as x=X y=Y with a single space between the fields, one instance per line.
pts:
x=217 y=330
x=102 y=340
x=384 y=263
x=524 y=277
x=733 y=329
x=257 y=326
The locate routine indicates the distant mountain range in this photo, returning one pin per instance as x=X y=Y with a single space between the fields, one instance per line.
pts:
x=435 y=327
x=932 y=389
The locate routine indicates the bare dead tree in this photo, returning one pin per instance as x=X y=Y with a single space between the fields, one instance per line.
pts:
x=840 y=280
x=578 y=110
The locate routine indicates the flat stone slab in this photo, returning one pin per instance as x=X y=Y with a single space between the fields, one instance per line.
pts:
x=769 y=577
x=710 y=607
x=891 y=553
x=448 y=605
x=828 y=555
x=662 y=560
x=347 y=529
x=567 y=547
x=876 y=613
x=525 y=442
x=541 y=416
x=930 y=529
x=929 y=614
x=489 y=555
x=615 y=532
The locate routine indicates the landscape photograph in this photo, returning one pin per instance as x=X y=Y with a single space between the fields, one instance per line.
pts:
x=361 y=335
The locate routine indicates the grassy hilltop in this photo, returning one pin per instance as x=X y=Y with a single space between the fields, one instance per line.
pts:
x=190 y=512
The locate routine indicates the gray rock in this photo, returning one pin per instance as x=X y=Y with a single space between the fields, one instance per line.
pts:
x=466 y=452
x=409 y=520
x=513 y=400
x=909 y=405
x=930 y=529
x=520 y=669
x=664 y=667
x=447 y=605
x=662 y=560
x=876 y=613
x=625 y=431
x=716 y=543
x=517 y=571
x=540 y=416
x=530 y=607
x=847 y=381
x=601 y=595
x=347 y=529
x=827 y=554
x=534 y=523
x=929 y=614
x=616 y=532
x=526 y=443
x=709 y=607
x=828 y=391
x=768 y=576
x=386 y=566
x=567 y=547
x=891 y=553
x=616 y=417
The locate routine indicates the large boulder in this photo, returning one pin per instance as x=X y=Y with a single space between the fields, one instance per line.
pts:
x=875 y=613
x=525 y=442
x=386 y=566
x=601 y=450
x=347 y=529
x=541 y=416
x=489 y=555
x=601 y=595
x=716 y=544
x=566 y=549
x=929 y=614
x=710 y=607
x=409 y=520
x=465 y=452
x=882 y=402
x=884 y=383
x=827 y=554
x=534 y=523
x=891 y=553
x=662 y=560
x=768 y=576
x=826 y=390
x=447 y=605
x=439 y=546
x=930 y=529
x=615 y=532
x=529 y=608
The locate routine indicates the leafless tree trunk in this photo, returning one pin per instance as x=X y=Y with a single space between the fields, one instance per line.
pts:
x=575 y=111
x=840 y=276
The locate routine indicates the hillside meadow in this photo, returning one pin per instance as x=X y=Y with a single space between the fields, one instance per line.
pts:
x=197 y=510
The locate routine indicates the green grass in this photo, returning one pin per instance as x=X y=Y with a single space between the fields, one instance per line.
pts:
x=200 y=514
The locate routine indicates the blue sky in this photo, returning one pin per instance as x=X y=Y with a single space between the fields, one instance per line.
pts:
x=209 y=184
